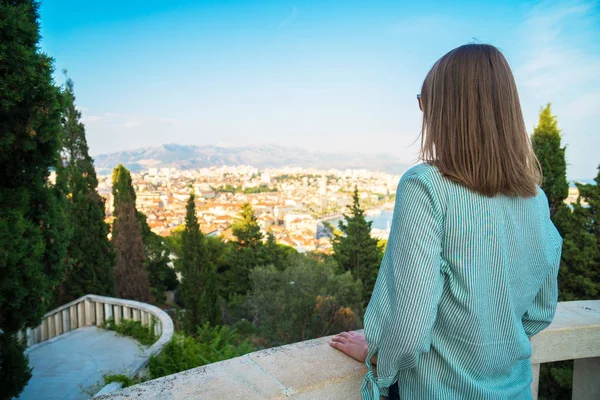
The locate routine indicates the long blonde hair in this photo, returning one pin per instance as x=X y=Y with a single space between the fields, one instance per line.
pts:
x=473 y=127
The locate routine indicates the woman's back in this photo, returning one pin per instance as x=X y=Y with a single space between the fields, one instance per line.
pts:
x=497 y=253
x=470 y=269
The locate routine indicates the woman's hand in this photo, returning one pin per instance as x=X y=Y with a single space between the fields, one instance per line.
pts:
x=352 y=344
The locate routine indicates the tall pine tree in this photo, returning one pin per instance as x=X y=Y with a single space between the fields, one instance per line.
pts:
x=546 y=142
x=198 y=275
x=131 y=277
x=33 y=226
x=90 y=253
x=355 y=250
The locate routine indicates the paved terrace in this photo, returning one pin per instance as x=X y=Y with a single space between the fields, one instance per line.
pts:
x=70 y=367
x=70 y=354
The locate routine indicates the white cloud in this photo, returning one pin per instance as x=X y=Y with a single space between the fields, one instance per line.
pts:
x=557 y=38
x=128 y=121
x=289 y=18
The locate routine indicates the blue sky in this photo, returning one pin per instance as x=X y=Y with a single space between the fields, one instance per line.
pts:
x=321 y=75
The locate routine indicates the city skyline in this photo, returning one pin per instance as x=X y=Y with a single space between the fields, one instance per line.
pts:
x=324 y=77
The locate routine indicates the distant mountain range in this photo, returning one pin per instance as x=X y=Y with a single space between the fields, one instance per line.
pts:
x=263 y=156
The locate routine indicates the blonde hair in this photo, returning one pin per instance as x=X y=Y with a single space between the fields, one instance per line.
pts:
x=473 y=128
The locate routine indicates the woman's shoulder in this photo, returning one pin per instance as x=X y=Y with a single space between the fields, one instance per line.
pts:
x=424 y=172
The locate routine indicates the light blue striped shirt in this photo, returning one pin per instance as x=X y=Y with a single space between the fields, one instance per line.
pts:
x=465 y=281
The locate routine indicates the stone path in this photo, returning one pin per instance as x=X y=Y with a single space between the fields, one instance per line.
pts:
x=66 y=367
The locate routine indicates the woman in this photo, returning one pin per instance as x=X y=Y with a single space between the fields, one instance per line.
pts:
x=470 y=269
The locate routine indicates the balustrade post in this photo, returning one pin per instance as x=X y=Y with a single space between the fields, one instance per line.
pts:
x=126 y=313
x=65 y=321
x=136 y=314
x=90 y=317
x=108 y=311
x=80 y=315
x=51 y=327
x=144 y=318
x=58 y=324
x=99 y=313
x=118 y=314
x=44 y=330
x=73 y=317
x=156 y=327
x=586 y=378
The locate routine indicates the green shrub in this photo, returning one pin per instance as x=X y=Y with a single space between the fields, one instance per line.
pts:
x=135 y=329
x=124 y=379
x=211 y=344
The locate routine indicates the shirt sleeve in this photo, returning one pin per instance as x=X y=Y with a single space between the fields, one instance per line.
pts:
x=541 y=313
x=400 y=316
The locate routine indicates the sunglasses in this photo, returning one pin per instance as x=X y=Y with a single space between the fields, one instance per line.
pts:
x=419 y=100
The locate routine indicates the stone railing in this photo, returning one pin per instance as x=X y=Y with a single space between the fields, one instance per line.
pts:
x=91 y=310
x=313 y=370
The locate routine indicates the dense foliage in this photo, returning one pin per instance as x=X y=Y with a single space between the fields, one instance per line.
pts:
x=207 y=345
x=90 y=254
x=355 y=250
x=579 y=274
x=33 y=227
x=306 y=300
x=156 y=259
x=131 y=277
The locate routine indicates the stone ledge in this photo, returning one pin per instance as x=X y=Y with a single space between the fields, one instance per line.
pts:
x=314 y=370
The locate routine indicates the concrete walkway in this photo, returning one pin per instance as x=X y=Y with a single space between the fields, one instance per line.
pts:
x=69 y=365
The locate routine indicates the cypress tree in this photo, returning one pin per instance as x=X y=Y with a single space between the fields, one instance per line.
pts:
x=355 y=250
x=198 y=274
x=33 y=227
x=579 y=276
x=90 y=253
x=131 y=277
x=546 y=142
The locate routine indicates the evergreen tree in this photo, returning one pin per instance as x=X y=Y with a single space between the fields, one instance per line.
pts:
x=90 y=253
x=579 y=275
x=355 y=250
x=246 y=229
x=33 y=227
x=546 y=142
x=198 y=275
x=131 y=277
x=247 y=253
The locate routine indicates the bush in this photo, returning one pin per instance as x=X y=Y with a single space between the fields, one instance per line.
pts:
x=211 y=344
x=124 y=379
x=307 y=300
x=135 y=329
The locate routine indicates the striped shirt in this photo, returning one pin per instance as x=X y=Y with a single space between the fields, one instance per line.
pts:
x=465 y=281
